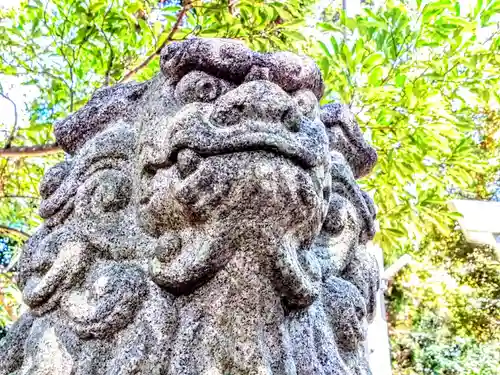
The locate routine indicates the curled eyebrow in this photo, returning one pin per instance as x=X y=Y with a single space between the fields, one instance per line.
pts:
x=233 y=61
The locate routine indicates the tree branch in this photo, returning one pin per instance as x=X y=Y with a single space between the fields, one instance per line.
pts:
x=107 y=77
x=30 y=151
x=13 y=132
x=170 y=35
x=27 y=197
x=61 y=51
x=12 y=231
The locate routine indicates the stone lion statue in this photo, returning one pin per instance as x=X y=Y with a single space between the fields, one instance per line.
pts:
x=207 y=221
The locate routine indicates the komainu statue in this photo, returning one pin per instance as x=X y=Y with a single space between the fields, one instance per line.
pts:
x=205 y=222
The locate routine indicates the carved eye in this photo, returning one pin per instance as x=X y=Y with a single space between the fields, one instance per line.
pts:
x=199 y=86
x=307 y=103
x=206 y=89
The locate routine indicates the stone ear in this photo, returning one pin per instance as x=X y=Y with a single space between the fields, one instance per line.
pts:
x=53 y=178
x=346 y=138
x=106 y=107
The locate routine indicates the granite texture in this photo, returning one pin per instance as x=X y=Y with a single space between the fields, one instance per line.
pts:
x=207 y=221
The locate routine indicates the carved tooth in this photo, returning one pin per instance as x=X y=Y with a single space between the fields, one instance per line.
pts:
x=187 y=162
x=167 y=247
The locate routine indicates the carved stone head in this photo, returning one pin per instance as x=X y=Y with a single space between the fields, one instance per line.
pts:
x=211 y=218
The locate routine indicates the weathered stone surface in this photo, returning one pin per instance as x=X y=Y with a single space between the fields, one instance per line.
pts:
x=207 y=222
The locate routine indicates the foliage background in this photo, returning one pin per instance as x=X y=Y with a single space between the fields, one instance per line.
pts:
x=421 y=76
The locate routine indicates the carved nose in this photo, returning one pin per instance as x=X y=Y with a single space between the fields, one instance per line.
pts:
x=258 y=100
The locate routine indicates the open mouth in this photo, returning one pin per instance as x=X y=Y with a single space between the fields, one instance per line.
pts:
x=184 y=153
x=187 y=157
x=265 y=142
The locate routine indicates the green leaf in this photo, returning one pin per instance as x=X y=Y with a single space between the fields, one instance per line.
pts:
x=375 y=76
x=294 y=35
x=335 y=45
x=400 y=80
x=372 y=60
x=327 y=26
x=458 y=21
x=478 y=8
x=324 y=48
